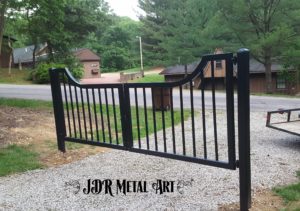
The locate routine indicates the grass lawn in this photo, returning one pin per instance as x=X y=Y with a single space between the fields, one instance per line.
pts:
x=16 y=159
x=136 y=69
x=290 y=194
x=19 y=158
x=134 y=120
x=149 y=79
x=17 y=76
x=39 y=104
x=20 y=103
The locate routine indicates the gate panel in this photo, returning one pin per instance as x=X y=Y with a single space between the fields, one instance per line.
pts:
x=91 y=114
x=172 y=120
x=176 y=121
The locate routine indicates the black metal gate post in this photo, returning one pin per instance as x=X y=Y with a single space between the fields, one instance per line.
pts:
x=58 y=109
x=244 y=128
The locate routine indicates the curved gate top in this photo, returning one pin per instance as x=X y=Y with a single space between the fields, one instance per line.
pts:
x=184 y=120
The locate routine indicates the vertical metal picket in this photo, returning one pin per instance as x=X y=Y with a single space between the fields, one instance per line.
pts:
x=244 y=128
x=58 y=108
x=124 y=99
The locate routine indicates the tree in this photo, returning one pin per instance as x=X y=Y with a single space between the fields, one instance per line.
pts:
x=119 y=45
x=173 y=29
x=185 y=22
x=68 y=24
x=152 y=23
x=84 y=17
x=17 y=28
x=63 y=25
x=267 y=27
x=3 y=8
x=6 y=6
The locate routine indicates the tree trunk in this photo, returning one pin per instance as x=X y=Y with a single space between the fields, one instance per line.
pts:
x=9 y=65
x=3 y=6
x=50 y=49
x=269 y=87
x=10 y=56
x=20 y=65
x=185 y=75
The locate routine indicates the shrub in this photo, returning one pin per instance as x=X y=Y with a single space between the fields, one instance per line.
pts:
x=115 y=58
x=41 y=74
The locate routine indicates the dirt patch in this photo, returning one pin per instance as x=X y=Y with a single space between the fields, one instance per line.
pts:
x=35 y=129
x=262 y=200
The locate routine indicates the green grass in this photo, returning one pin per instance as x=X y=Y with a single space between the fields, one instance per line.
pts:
x=15 y=159
x=158 y=115
x=290 y=194
x=136 y=69
x=69 y=145
x=149 y=79
x=22 y=103
x=39 y=104
x=16 y=77
x=134 y=119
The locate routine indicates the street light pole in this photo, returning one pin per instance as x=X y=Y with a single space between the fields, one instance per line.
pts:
x=141 y=55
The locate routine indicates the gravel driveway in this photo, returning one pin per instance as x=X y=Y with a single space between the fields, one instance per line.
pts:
x=275 y=158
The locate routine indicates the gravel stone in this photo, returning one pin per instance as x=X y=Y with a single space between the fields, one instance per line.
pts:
x=275 y=157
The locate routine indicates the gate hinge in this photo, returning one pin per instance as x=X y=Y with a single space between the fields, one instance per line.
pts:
x=237 y=163
x=234 y=60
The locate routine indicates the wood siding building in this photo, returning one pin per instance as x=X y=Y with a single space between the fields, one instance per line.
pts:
x=257 y=76
x=279 y=85
x=90 y=62
x=178 y=72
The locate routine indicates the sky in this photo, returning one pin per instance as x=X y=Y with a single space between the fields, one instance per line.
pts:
x=125 y=7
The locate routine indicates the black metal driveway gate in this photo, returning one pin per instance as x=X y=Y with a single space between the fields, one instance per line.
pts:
x=172 y=120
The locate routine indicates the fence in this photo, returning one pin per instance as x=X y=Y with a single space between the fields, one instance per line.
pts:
x=162 y=119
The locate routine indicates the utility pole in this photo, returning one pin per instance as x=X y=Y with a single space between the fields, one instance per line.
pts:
x=141 y=55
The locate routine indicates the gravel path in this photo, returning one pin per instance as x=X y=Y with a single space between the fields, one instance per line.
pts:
x=275 y=158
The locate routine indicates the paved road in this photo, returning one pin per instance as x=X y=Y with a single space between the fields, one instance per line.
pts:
x=257 y=103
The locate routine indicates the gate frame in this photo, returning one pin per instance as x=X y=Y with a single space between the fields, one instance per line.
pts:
x=243 y=99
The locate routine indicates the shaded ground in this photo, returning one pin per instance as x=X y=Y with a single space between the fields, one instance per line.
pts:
x=16 y=77
x=262 y=200
x=36 y=129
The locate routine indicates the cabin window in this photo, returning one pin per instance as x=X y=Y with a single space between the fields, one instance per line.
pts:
x=218 y=64
x=280 y=83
